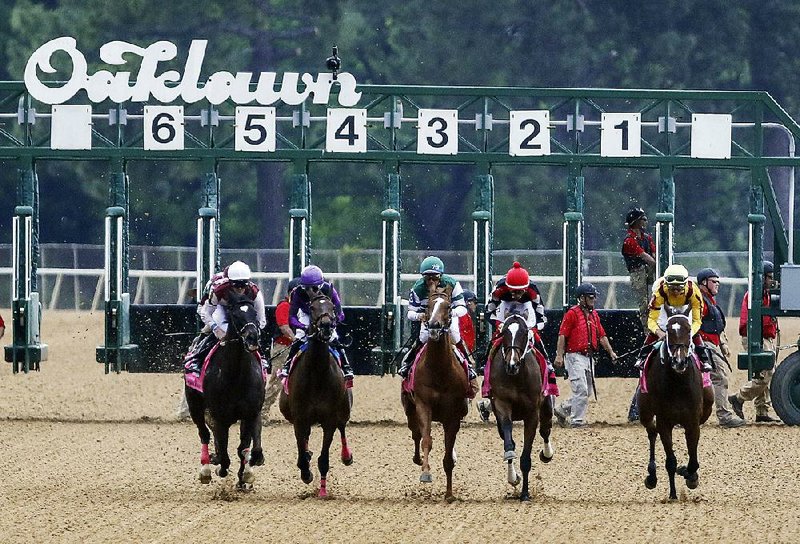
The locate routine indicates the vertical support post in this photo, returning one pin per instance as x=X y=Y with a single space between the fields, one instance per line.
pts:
x=208 y=228
x=755 y=283
x=483 y=243
x=117 y=352
x=391 y=319
x=572 y=260
x=665 y=220
x=300 y=220
x=26 y=350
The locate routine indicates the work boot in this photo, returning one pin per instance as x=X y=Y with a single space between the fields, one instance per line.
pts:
x=561 y=416
x=736 y=405
x=766 y=418
x=484 y=409
x=408 y=359
x=732 y=422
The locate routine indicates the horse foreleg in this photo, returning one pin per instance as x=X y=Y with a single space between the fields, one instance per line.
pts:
x=690 y=471
x=506 y=426
x=545 y=427
x=525 y=461
x=245 y=474
x=301 y=435
x=413 y=425
x=665 y=432
x=424 y=429
x=257 y=453
x=197 y=413
x=323 y=460
x=448 y=462
x=221 y=445
x=347 y=455
x=652 y=479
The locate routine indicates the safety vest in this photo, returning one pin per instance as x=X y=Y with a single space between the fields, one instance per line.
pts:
x=646 y=243
x=714 y=321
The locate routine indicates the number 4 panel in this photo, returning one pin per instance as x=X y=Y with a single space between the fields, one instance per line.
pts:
x=346 y=131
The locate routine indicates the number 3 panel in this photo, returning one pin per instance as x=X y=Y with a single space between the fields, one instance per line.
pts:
x=346 y=131
x=437 y=132
x=529 y=135
x=254 y=129
x=621 y=135
x=163 y=128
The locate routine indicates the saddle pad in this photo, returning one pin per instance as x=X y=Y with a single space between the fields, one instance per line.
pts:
x=303 y=348
x=407 y=385
x=195 y=381
x=643 y=376
x=549 y=385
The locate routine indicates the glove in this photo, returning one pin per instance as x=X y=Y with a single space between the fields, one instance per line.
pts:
x=218 y=332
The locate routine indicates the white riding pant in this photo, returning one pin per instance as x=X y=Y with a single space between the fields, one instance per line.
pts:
x=305 y=319
x=455 y=332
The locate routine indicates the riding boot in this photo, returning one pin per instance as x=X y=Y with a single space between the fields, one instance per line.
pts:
x=347 y=370
x=293 y=349
x=705 y=358
x=472 y=375
x=202 y=345
x=408 y=359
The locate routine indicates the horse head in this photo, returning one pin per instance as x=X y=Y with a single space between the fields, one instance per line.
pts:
x=323 y=318
x=678 y=339
x=516 y=343
x=243 y=321
x=437 y=318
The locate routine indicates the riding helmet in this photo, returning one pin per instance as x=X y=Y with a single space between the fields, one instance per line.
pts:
x=585 y=288
x=769 y=268
x=469 y=295
x=634 y=215
x=431 y=265
x=676 y=274
x=517 y=277
x=311 y=276
x=238 y=271
x=706 y=273
x=292 y=285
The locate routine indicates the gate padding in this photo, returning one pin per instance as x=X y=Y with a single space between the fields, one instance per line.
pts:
x=163 y=333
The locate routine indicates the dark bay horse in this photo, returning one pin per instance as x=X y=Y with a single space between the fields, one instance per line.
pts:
x=516 y=385
x=674 y=396
x=440 y=388
x=233 y=390
x=317 y=395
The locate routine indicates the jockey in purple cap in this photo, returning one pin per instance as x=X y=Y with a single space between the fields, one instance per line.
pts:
x=312 y=282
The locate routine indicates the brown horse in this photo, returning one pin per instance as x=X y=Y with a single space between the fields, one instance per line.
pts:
x=317 y=395
x=516 y=384
x=675 y=396
x=440 y=387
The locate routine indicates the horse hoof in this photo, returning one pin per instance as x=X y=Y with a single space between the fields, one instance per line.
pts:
x=425 y=478
x=693 y=482
x=257 y=459
x=417 y=460
x=681 y=471
x=222 y=472
x=543 y=458
x=307 y=478
x=244 y=487
x=516 y=482
x=205 y=474
x=249 y=476
x=509 y=455
x=348 y=461
x=650 y=482
x=524 y=497
x=450 y=499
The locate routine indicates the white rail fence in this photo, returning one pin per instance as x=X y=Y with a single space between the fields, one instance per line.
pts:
x=71 y=275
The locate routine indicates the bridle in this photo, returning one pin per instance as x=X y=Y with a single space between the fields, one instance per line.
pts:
x=521 y=351
x=325 y=331
x=668 y=348
x=434 y=299
x=240 y=332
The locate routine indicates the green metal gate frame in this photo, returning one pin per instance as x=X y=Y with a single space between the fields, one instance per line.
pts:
x=24 y=137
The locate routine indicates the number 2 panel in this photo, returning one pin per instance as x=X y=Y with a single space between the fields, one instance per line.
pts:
x=255 y=129
x=529 y=134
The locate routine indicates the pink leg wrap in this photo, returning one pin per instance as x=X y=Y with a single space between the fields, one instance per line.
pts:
x=204 y=457
x=323 y=488
x=345 y=450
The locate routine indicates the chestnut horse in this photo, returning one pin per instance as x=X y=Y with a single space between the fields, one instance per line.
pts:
x=233 y=390
x=516 y=385
x=317 y=394
x=675 y=396
x=440 y=388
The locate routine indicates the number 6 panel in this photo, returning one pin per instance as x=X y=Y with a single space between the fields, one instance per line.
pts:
x=163 y=128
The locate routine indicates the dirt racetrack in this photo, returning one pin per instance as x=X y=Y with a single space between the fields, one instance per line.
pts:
x=101 y=458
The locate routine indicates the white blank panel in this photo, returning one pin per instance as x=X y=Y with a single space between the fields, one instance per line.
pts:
x=71 y=127
x=346 y=131
x=254 y=129
x=163 y=128
x=437 y=132
x=711 y=135
x=529 y=133
x=621 y=135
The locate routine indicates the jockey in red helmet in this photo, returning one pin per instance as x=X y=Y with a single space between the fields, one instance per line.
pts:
x=516 y=293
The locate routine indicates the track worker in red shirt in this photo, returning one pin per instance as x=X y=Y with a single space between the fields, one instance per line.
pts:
x=579 y=340
x=639 y=251
x=283 y=341
x=712 y=331
x=757 y=389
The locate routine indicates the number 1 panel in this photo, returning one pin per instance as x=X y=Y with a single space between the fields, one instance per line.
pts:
x=254 y=129
x=346 y=131
x=621 y=135
x=529 y=134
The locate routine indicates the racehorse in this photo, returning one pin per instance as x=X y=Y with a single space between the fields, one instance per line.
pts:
x=233 y=390
x=673 y=394
x=516 y=385
x=317 y=394
x=440 y=387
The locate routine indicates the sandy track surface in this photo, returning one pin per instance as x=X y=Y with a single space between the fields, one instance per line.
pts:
x=101 y=458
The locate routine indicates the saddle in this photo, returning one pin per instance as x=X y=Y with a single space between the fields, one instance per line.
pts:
x=658 y=347
x=407 y=384
x=302 y=349
x=549 y=384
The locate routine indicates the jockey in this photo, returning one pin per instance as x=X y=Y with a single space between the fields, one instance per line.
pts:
x=432 y=269
x=211 y=309
x=312 y=282
x=674 y=289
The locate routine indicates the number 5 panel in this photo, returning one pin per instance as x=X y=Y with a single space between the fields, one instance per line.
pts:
x=254 y=129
